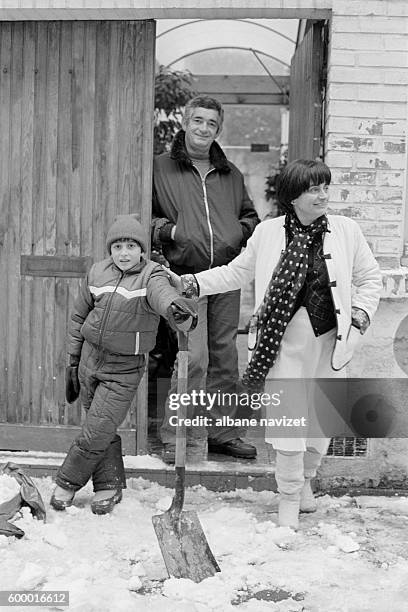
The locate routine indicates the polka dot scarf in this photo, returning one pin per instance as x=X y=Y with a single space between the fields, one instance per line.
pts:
x=280 y=298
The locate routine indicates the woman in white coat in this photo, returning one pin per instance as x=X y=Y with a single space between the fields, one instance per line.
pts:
x=317 y=287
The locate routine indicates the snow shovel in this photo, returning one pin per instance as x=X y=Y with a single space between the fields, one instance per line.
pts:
x=183 y=544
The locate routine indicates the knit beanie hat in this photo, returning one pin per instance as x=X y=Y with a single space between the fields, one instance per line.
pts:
x=127 y=226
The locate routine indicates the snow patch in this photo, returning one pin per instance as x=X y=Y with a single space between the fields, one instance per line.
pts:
x=164 y=503
x=344 y=542
x=212 y=592
x=9 y=488
x=99 y=559
x=54 y=536
x=31 y=577
x=135 y=584
x=144 y=462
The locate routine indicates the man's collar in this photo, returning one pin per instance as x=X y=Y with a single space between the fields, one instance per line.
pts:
x=217 y=156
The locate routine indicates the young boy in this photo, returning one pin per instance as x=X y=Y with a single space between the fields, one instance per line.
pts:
x=114 y=322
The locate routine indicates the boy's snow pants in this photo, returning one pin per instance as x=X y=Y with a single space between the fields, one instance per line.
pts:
x=108 y=385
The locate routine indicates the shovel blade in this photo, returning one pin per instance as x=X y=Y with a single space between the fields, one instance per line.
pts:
x=184 y=547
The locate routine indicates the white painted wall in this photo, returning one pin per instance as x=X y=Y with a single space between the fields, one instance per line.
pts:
x=366 y=127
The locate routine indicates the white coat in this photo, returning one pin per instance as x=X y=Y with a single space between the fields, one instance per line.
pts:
x=354 y=274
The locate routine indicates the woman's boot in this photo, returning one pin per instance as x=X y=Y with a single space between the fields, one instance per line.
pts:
x=290 y=480
x=307 y=499
x=311 y=461
x=289 y=511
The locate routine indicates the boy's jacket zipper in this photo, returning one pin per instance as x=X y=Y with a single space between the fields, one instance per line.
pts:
x=107 y=310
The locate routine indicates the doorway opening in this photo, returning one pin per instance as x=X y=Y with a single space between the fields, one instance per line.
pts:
x=270 y=76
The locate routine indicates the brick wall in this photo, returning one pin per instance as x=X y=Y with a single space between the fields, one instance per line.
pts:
x=366 y=122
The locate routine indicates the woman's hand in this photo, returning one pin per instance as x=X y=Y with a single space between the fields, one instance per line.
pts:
x=175 y=280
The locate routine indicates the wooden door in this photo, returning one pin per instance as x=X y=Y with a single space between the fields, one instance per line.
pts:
x=307 y=90
x=76 y=106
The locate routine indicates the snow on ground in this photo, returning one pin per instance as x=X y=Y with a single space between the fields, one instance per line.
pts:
x=9 y=487
x=350 y=556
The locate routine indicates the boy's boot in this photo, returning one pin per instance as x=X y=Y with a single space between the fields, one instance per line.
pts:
x=104 y=500
x=290 y=480
x=62 y=498
x=311 y=461
x=109 y=479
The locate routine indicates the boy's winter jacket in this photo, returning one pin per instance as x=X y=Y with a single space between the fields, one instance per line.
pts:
x=214 y=215
x=117 y=311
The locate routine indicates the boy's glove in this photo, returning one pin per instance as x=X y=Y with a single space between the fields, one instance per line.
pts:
x=182 y=314
x=71 y=380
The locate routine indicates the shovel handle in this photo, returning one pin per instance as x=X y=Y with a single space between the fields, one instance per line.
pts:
x=182 y=374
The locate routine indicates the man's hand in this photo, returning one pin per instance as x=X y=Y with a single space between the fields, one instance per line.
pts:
x=182 y=314
x=72 y=386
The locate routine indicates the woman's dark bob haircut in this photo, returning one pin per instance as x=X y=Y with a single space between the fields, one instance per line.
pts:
x=297 y=177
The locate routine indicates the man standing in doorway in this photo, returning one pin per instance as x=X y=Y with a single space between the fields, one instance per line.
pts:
x=202 y=217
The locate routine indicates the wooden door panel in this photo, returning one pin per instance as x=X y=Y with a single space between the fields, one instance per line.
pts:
x=76 y=101
x=305 y=101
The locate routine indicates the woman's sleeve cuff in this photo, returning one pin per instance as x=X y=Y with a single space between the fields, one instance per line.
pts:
x=360 y=319
x=191 y=288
